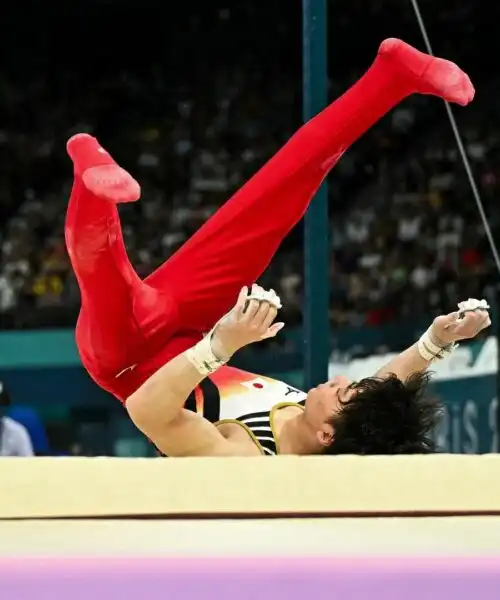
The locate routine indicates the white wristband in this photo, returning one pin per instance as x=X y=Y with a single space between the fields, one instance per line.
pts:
x=430 y=351
x=202 y=357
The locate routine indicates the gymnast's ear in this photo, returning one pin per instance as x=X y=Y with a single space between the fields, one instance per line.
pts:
x=325 y=435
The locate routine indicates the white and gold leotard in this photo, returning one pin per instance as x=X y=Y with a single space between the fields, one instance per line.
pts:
x=246 y=399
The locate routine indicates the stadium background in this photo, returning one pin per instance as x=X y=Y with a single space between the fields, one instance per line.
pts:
x=192 y=100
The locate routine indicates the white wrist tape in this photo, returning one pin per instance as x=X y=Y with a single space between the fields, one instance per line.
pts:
x=430 y=351
x=202 y=357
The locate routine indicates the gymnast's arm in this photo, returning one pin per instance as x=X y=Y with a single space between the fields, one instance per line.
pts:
x=157 y=407
x=444 y=332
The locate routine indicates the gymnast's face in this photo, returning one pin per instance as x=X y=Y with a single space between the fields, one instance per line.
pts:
x=323 y=403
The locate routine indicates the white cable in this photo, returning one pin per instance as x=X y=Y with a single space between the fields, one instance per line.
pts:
x=461 y=148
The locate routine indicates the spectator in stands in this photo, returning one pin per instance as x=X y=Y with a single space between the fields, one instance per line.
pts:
x=406 y=239
x=14 y=438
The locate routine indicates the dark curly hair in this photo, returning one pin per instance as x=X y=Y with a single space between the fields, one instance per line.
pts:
x=387 y=416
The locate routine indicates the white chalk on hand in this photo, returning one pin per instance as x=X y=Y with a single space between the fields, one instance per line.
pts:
x=471 y=305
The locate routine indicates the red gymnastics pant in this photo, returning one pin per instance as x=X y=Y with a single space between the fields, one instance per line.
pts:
x=127 y=327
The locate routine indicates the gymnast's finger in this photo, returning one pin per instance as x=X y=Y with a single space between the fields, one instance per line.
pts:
x=269 y=320
x=251 y=308
x=473 y=323
x=262 y=315
x=483 y=320
x=486 y=322
x=239 y=307
x=273 y=331
x=465 y=325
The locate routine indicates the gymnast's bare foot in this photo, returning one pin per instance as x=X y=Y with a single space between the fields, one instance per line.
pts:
x=429 y=75
x=99 y=172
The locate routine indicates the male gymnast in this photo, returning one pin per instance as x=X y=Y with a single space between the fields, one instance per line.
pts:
x=144 y=341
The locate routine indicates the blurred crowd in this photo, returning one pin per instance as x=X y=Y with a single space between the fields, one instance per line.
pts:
x=193 y=110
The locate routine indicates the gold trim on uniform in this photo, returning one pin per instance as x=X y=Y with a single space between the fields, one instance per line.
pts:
x=272 y=413
x=245 y=427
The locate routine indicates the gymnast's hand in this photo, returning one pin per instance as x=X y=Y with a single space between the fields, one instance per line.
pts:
x=471 y=318
x=251 y=320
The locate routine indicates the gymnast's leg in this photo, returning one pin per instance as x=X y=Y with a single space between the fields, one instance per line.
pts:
x=118 y=309
x=235 y=246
